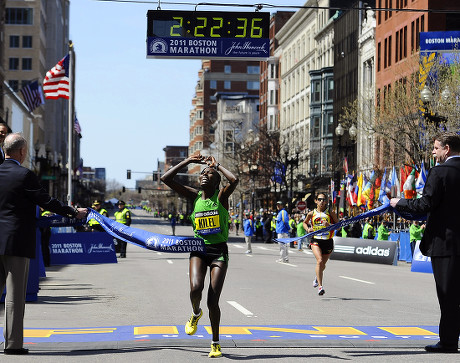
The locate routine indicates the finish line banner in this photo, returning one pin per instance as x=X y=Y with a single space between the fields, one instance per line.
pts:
x=373 y=212
x=149 y=240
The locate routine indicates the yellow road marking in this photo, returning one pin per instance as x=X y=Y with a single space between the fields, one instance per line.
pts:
x=320 y=330
x=141 y=330
x=402 y=330
x=46 y=333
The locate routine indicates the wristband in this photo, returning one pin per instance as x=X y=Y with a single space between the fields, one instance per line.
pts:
x=217 y=166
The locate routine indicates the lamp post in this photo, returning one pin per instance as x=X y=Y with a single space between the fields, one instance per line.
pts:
x=427 y=98
x=292 y=162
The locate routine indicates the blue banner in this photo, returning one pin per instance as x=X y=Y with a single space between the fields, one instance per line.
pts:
x=82 y=248
x=385 y=208
x=205 y=48
x=148 y=240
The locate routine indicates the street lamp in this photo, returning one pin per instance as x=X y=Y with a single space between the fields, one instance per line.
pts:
x=291 y=162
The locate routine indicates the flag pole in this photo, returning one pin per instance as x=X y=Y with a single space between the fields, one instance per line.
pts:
x=70 y=126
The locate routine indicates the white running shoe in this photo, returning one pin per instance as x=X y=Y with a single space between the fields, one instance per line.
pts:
x=321 y=291
x=315 y=282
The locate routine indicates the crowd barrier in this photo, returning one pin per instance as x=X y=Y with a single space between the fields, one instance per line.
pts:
x=365 y=250
x=82 y=248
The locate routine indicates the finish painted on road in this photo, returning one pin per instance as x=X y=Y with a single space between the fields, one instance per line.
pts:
x=250 y=333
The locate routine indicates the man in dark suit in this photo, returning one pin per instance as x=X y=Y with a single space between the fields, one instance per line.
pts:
x=441 y=239
x=20 y=192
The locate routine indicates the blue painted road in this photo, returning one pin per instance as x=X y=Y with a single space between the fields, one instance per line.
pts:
x=248 y=333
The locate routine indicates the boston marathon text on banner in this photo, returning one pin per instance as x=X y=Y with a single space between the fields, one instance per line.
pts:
x=208 y=35
x=148 y=240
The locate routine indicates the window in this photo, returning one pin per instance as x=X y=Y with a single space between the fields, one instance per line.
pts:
x=253 y=69
x=22 y=16
x=252 y=85
x=13 y=64
x=315 y=127
x=26 y=64
x=227 y=84
x=272 y=97
x=328 y=125
x=27 y=41
x=14 y=41
x=14 y=84
x=316 y=91
x=329 y=89
x=227 y=69
x=213 y=84
x=212 y=99
x=379 y=56
x=228 y=141
x=272 y=71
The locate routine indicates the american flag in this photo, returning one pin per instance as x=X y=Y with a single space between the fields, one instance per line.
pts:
x=33 y=95
x=77 y=126
x=56 y=82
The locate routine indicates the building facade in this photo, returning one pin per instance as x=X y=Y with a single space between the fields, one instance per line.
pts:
x=217 y=76
x=306 y=41
x=397 y=38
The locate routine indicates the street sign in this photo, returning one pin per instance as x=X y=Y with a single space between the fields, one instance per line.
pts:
x=208 y=35
x=301 y=205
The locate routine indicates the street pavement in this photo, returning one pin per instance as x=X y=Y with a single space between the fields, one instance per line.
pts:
x=135 y=309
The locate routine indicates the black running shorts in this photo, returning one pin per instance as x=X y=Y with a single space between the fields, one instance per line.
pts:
x=214 y=253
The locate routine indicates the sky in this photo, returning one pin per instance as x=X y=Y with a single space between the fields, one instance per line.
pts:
x=130 y=107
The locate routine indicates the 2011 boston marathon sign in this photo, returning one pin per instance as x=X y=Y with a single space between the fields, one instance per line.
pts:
x=208 y=35
x=148 y=240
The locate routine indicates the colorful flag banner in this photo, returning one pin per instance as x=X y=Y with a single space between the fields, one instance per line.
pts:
x=57 y=83
x=394 y=184
x=384 y=189
x=33 y=95
x=421 y=180
x=409 y=185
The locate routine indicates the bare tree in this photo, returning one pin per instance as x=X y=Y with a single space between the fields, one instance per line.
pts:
x=410 y=111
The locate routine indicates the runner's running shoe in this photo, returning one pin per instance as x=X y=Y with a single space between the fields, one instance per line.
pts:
x=321 y=291
x=215 y=351
x=192 y=325
x=315 y=282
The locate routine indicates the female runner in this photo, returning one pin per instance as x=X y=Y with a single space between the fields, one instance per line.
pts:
x=321 y=244
x=210 y=221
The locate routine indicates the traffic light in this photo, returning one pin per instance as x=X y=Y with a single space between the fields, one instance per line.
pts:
x=128 y=174
x=155 y=176
x=123 y=189
x=139 y=190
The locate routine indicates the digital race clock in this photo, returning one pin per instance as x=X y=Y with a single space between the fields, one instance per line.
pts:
x=207 y=34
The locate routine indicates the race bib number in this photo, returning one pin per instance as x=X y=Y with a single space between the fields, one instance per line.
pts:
x=319 y=223
x=207 y=222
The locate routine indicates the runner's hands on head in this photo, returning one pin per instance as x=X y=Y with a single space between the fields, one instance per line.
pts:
x=211 y=161
x=197 y=159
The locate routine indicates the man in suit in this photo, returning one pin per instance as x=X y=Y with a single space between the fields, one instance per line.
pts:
x=441 y=240
x=20 y=192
